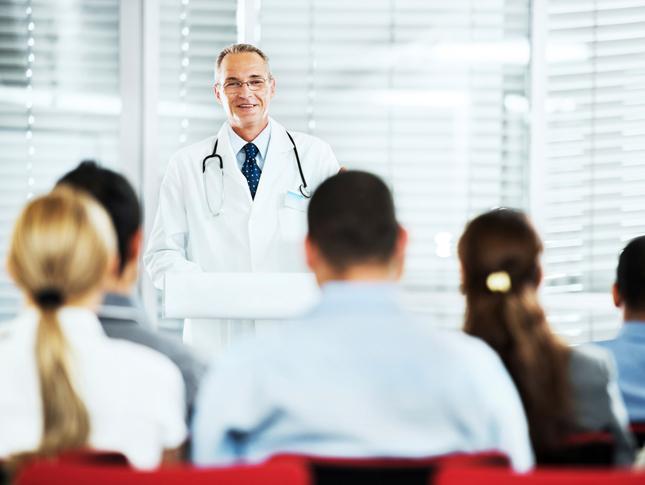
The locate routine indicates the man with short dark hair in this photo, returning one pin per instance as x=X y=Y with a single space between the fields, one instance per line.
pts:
x=357 y=376
x=120 y=316
x=629 y=346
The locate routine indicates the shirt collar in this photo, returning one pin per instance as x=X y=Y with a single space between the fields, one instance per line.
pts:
x=261 y=141
x=633 y=329
x=116 y=299
x=365 y=297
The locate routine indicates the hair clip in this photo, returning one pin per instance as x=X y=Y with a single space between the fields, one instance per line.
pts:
x=498 y=282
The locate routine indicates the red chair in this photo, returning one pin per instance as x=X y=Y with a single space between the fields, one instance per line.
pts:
x=58 y=473
x=588 y=449
x=639 y=433
x=385 y=471
x=491 y=476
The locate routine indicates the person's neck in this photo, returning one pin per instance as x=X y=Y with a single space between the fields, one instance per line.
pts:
x=250 y=133
x=633 y=315
x=367 y=273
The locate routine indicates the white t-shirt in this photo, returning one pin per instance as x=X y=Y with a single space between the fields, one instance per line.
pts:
x=134 y=395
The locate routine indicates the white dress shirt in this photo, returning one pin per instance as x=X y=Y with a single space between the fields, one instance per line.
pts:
x=261 y=142
x=134 y=395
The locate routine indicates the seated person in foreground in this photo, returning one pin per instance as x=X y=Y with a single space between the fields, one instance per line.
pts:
x=65 y=385
x=628 y=348
x=120 y=315
x=564 y=390
x=358 y=376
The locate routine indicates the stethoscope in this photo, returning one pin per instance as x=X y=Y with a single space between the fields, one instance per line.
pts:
x=303 y=186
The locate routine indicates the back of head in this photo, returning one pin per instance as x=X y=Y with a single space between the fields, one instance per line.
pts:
x=630 y=275
x=352 y=221
x=499 y=254
x=117 y=197
x=60 y=252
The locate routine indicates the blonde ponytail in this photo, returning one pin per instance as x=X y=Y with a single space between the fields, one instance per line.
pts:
x=66 y=422
x=60 y=251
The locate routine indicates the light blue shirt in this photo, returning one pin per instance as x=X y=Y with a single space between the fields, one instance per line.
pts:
x=628 y=349
x=357 y=377
x=261 y=142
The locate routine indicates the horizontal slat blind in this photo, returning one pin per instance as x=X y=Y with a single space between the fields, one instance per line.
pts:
x=59 y=101
x=192 y=33
x=430 y=95
x=595 y=170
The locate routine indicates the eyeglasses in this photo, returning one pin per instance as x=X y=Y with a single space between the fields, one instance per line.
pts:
x=255 y=84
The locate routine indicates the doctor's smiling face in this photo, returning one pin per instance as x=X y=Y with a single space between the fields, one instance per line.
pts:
x=244 y=88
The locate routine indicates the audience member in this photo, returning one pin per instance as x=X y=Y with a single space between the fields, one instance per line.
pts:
x=120 y=316
x=357 y=376
x=65 y=385
x=564 y=390
x=628 y=347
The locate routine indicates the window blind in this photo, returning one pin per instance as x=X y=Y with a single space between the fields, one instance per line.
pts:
x=428 y=94
x=192 y=33
x=595 y=132
x=59 y=101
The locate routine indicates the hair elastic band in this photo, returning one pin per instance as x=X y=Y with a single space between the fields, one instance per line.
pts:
x=498 y=282
x=49 y=298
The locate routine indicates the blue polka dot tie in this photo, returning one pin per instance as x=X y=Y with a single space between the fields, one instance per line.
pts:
x=250 y=168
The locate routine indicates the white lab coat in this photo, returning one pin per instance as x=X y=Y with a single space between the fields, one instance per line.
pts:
x=261 y=235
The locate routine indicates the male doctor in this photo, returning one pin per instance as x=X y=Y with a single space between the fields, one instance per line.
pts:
x=236 y=202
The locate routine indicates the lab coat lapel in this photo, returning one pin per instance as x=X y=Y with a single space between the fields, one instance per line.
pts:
x=275 y=164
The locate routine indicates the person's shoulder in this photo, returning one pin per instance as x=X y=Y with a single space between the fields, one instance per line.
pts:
x=9 y=329
x=140 y=334
x=300 y=138
x=462 y=343
x=309 y=141
x=142 y=360
x=187 y=154
x=590 y=361
x=590 y=354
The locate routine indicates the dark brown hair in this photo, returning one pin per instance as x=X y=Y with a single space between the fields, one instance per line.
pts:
x=510 y=319
x=352 y=221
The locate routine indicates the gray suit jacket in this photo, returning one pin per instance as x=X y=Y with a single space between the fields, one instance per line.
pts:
x=598 y=403
x=121 y=318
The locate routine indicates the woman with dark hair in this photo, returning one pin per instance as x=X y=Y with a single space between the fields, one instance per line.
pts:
x=564 y=390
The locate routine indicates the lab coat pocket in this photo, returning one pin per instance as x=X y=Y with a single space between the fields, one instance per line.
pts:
x=293 y=224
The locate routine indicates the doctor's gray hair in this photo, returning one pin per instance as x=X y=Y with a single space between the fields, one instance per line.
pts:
x=239 y=49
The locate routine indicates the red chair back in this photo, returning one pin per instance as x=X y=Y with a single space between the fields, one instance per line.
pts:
x=386 y=471
x=588 y=449
x=53 y=473
x=639 y=433
x=491 y=476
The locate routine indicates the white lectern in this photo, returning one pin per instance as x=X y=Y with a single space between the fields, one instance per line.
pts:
x=219 y=306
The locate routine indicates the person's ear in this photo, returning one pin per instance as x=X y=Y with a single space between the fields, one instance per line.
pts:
x=272 y=86
x=615 y=294
x=462 y=278
x=311 y=254
x=538 y=275
x=399 y=251
x=135 y=246
x=217 y=92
